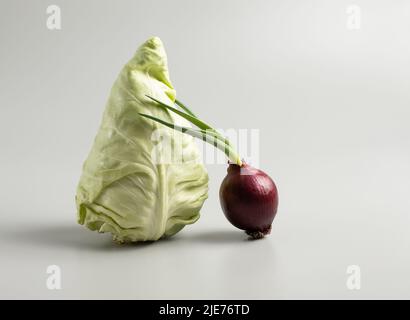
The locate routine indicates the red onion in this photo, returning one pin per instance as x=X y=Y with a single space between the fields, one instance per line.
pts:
x=249 y=199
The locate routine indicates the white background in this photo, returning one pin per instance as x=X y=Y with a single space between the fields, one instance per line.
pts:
x=332 y=107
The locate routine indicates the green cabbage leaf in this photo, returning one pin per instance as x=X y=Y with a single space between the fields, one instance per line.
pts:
x=130 y=185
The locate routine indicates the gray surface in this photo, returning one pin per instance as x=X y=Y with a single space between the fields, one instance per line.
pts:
x=332 y=105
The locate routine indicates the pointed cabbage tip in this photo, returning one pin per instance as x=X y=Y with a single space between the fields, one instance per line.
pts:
x=152 y=58
x=153 y=42
x=151 y=50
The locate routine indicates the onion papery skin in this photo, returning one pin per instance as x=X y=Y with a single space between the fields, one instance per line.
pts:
x=249 y=199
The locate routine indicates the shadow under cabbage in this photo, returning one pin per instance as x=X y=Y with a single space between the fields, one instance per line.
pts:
x=70 y=236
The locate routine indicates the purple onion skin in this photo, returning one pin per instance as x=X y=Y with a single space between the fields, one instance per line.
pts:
x=249 y=199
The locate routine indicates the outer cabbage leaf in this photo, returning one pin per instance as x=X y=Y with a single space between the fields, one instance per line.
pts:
x=123 y=190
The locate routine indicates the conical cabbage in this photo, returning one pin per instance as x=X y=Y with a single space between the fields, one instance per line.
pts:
x=130 y=185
